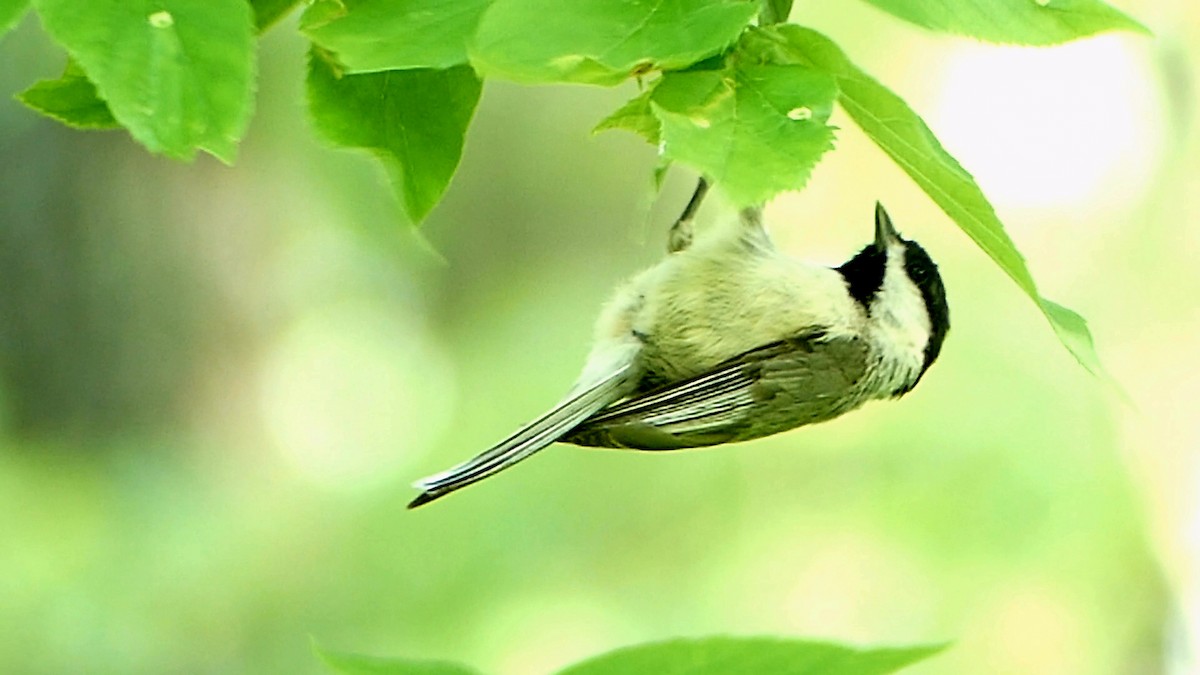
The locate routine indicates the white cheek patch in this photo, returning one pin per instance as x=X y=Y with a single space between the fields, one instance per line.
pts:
x=898 y=316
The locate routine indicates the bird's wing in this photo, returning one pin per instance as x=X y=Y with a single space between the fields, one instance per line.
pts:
x=764 y=391
x=609 y=379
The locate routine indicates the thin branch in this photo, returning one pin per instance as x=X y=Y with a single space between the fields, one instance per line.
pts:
x=680 y=236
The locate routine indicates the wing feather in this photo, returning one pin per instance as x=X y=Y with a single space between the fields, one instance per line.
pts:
x=782 y=385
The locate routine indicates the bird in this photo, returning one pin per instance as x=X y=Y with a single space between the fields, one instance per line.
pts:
x=728 y=339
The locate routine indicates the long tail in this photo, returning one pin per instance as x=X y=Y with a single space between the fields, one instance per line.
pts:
x=581 y=403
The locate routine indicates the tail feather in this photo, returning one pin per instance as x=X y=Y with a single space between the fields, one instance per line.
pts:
x=583 y=402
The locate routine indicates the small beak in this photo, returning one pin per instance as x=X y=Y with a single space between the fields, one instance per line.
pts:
x=885 y=234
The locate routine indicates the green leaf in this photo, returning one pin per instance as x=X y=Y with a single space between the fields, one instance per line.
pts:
x=267 y=12
x=755 y=130
x=11 y=12
x=903 y=135
x=374 y=35
x=774 y=11
x=70 y=99
x=636 y=116
x=1028 y=22
x=659 y=175
x=355 y=664
x=414 y=121
x=721 y=656
x=178 y=74
x=1072 y=331
x=601 y=41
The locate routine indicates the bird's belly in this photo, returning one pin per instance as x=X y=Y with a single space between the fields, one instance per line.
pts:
x=692 y=326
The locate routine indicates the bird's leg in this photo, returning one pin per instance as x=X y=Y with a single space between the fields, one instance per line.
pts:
x=754 y=234
x=751 y=217
x=680 y=236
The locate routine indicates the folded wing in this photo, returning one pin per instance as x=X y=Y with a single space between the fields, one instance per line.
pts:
x=780 y=386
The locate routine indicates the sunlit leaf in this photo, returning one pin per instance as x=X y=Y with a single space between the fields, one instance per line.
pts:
x=372 y=35
x=636 y=116
x=723 y=655
x=178 y=74
x=11 y=11
x=1072 y=330
x=414 y=121
x=1030 y=22
x=904 y=136
x=70 y=99
x=357 y=664
x=755 y=130
x=601 y=41
x=267 y=12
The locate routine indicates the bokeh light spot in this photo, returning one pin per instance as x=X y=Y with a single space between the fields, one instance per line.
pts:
x=1045 y=127
x=351 y=395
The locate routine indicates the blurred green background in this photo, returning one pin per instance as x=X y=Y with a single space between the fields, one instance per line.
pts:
x=217 y=383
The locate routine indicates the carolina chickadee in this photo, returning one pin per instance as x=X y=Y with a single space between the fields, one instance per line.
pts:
x=728 y=340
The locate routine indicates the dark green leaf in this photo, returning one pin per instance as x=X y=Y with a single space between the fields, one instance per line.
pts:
x=636 y=116
x=178 y=74
x=71 y=99
x=267 y=12
x=774 y=11
x=755 y=130
x=355 y=664
x=1029 y=22
x=601 y=41
x=11 y=12
x=903 y=135
x=414 y=121
x=373 y=35
x=721 y=656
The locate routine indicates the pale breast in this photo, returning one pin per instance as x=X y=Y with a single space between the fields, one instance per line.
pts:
x=706 y=308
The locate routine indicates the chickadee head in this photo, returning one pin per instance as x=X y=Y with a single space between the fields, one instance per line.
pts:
x=893 y=275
